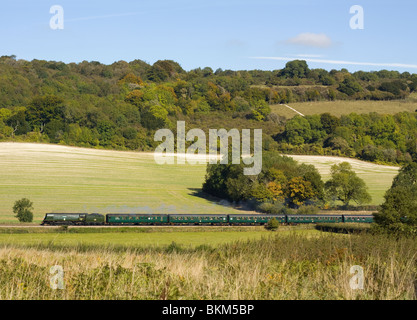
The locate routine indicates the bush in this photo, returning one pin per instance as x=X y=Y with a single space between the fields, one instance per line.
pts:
x=22 y=208
x=272 y=225
x=271 y=208
x=395 y=229
x=275 y=208
x=308 y=210
x=347 y=228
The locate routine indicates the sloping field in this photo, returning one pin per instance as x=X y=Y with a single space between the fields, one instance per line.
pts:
x=68 y=179
x=377 y=177
x=338 y=108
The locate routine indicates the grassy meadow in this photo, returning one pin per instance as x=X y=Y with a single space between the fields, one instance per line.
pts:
x=283 y=265
x=132 y=239
x=67 y=179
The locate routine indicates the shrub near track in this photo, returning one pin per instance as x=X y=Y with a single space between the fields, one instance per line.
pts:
x=343 y=227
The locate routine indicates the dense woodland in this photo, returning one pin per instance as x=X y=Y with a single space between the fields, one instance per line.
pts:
x=120 y=106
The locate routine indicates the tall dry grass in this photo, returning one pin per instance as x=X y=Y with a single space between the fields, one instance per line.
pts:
x=292 y=267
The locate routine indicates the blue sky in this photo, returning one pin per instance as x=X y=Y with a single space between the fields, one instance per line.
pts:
x=227 y=34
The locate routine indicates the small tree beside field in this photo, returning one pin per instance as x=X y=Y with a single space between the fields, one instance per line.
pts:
x=23 y=210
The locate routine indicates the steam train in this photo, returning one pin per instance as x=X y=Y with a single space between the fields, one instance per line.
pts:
x=126 y=219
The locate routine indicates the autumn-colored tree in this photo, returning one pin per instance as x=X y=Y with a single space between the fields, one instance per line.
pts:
x=130 y=78
x=135 y=97
x=276 y=176
x=299 y=191
x=276 y=190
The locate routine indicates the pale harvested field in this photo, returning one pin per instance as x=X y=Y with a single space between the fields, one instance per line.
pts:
x=67 y=179
x=378 y=178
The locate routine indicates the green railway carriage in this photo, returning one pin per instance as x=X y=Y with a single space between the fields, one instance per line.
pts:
x=195 y=219
x=358 y=218
x=73 y=219
x=136 y=219
x=198 y=219
x=317 y=218
x=254 y=219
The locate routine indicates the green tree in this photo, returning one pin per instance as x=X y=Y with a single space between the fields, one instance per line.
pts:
x=329 y=122
x=398 y=214
x=349 y=86
x=260 y=110
x=23 y=210
x=346 y=186
x=239 y=186
x=295 y=68
x=298 y=130
x=154 y=116
x=44 y=109
x=163 y=70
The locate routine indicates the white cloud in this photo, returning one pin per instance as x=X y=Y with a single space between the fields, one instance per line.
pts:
x=308 y=39
x=343 y=62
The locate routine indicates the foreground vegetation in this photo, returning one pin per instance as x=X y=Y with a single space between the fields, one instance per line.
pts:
x=344 y=227
x=287 y=266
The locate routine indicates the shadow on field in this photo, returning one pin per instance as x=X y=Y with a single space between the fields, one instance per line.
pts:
x=243 y=205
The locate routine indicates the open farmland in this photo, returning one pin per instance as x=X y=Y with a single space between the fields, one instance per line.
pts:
x=67 y=179
x=378 y=178
x=340 y=107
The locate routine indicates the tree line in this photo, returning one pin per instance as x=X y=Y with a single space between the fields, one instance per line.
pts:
x=284 y=183
x=371 y=137
x=120 y=106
